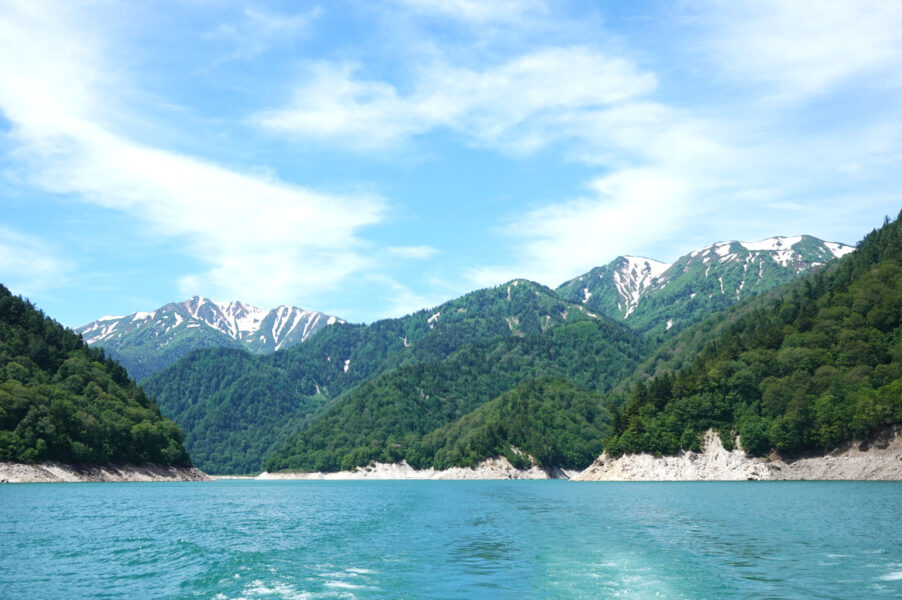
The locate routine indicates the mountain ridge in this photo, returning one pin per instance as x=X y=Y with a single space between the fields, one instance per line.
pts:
x=148 y=342
x=653 y=297
x=220 y=395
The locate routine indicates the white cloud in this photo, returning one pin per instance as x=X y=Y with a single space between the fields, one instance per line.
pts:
x=402 y=299
x=413 y=252
x=516 y=106
x=29 y=265
x=259 y=30
x=623 y=213
x=803 y=48
x=265 y=240
x=476 y=10
x=333 y=104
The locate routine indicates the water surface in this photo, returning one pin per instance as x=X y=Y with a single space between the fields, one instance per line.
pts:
x=455 y=539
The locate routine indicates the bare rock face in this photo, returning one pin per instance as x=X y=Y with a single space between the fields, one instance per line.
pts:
x=50 y=472
x=881 y=459
x=490 y=468
x=714 y=463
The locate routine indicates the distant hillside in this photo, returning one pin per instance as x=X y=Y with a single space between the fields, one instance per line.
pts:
x=63 y=401
x=148 y=342
x=815 y=366
x=236 y=407
x=657 y=298
x=386 y=418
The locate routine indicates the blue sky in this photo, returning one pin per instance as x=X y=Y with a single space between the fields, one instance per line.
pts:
x=368 y=159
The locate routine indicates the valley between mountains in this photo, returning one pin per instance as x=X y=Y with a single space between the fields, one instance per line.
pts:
x=786 y=347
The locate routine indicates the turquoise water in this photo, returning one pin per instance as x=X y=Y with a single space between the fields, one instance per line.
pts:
x=479 y=539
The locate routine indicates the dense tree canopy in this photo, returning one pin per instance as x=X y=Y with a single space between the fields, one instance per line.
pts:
x=819 y=366
x=236 y=407
x=63 y=401
x=547 y=422
x=385 y=418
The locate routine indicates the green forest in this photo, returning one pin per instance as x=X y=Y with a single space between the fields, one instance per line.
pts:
x=63 y=401
x=818 y=366
x=547 y=422
x=236 y=407
x=385 y=418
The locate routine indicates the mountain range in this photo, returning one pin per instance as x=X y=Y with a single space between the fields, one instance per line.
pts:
x=147 y=342
x=403 y=388
x=650 y=296
x=236 y=407
x=657 y=298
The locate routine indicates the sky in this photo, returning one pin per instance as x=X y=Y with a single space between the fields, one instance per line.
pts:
x=368 y=159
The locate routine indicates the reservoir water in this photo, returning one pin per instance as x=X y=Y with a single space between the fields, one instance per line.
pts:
x=455 y=539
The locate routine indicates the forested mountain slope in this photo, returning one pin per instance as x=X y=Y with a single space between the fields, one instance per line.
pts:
x=386 y=418
x=236 y=407
x=63 y=401
x=547 y=422
x=819 y=366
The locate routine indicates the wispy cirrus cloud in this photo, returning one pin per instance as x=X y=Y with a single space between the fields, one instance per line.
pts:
x=516 y=106
x=618 y=212
x=257 y=30
x=263 y=239
x=475 y=10
x=413 y=252
x=29 y=264
x=798 y=49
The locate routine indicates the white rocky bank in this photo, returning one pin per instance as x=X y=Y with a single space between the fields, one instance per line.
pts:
x=51 y=472
x=880 y=460
x=491 y=468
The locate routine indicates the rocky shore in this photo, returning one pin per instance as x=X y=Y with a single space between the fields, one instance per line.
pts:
x=492 y=468
x=51 y=472
x=877 y=460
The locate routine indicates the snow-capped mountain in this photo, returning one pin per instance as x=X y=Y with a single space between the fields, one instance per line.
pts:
x=146 y=342
x=655 y=296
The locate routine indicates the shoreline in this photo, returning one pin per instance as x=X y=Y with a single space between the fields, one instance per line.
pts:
x=878 y=460
x=54 y=472
x=489 y=469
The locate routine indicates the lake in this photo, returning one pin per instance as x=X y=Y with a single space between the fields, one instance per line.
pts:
x=451 y=539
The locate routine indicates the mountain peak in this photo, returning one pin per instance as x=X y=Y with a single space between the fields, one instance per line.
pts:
x=654 y=295
x=198 y=322
x=632 y=278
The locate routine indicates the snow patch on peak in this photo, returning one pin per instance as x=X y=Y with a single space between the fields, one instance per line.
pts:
x=723 y=248
x=839 y=250
x=287 y=325
x=772 y=244
x=634 y=276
